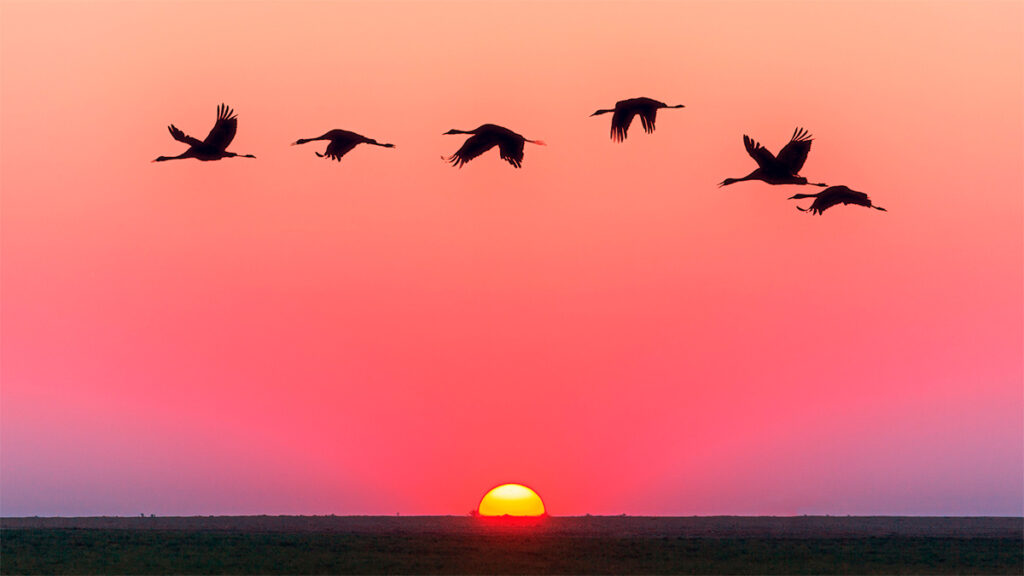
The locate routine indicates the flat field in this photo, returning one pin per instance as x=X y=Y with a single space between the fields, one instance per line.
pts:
x=555 y=545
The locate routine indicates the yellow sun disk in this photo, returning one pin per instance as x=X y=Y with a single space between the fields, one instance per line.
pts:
x=511 y=500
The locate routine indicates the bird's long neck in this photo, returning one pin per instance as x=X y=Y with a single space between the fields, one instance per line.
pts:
x=799 y=196
x=183 y=155
x=752 y=176
x=599 y=112
x=456 y=131
x=304 y=140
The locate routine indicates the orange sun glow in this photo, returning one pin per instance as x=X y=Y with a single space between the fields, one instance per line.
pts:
x=511 y=500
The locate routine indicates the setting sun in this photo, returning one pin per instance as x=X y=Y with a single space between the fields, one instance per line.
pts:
x=511 y=500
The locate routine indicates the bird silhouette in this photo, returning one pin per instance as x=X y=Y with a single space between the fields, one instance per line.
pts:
x=834 y=195
x=216 y=143
x=510 y=145
x=781 y=169
x=625 y=110
x=342 y=142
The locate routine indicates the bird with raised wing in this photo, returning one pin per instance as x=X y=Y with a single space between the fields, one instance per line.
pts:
x=781 y=169
x=834 y=195
x=510 y=145
x=214 y=147
x=341 y=143
x=625 y=110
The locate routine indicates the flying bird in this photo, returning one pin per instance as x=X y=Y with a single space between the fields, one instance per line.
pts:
x=342 y=142
x=781 y=169
x=510 y=145
x=216 y=143
x=625 y=110
x=834 y=195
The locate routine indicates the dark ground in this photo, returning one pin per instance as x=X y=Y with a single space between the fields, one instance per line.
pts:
x=560 y=545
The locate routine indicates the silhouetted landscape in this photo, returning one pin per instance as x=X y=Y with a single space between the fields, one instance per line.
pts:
x=554 y=545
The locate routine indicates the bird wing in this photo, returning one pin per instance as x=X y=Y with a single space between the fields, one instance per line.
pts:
x=223 y=131
x=834 y=195
x=647 y=116
x=621 y=120
x=794 y=154
x=760 y=154
x=182 y=137
x=511 y=150
x=473 y=146
x=853 y=197
x=338 y=148
x=822 y=203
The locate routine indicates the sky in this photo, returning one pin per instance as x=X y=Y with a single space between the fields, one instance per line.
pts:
x=389 y=334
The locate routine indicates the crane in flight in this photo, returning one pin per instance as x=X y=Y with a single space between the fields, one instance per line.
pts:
x=833 y=196
x=625 y=110
x=781 y=169
x=214 y=147
x=342 y=142
x=510 y=145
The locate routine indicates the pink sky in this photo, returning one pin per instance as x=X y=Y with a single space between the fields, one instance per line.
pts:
x=288 y=335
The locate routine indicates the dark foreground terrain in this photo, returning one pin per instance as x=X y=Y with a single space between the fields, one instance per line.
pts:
x=560 y=545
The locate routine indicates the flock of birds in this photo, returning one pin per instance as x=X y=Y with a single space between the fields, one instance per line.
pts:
x=773 y=169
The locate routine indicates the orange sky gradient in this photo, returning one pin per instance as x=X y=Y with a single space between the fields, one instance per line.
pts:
x=290 y=335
